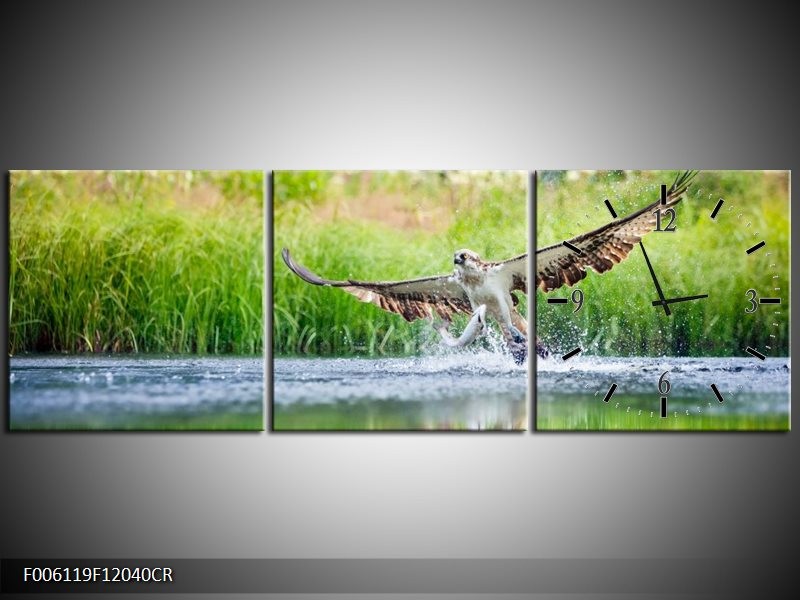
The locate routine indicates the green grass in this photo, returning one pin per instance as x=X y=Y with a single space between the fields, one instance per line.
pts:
x=346 y=416
x=602 y=418
x=201 y=422
x=381 y=415
x=384 y=226
x=136 y=262
x=701 y=256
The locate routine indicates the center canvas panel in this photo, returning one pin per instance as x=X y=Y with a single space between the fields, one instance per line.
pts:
x=400 y=300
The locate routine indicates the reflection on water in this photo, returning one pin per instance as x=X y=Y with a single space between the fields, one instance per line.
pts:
x=480 y=390
x=88 y=392
x=570 y=393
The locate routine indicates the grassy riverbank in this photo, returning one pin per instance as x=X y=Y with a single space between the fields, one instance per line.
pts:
x=702 y=256
x=153 y=261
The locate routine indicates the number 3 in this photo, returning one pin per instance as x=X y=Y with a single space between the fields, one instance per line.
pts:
x=751 y=300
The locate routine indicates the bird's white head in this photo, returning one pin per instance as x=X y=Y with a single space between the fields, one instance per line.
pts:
x=466 y=261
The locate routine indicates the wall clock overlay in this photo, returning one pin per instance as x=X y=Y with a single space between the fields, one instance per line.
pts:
x=662 y=300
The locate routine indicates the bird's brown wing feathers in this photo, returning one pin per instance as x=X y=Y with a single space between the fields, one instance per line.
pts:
x=604 y=247
x=412 y=299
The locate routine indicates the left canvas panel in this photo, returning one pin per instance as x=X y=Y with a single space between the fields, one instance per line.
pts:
x=135 y=300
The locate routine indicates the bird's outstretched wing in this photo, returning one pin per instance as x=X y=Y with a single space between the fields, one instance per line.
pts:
x=412 y=299
x=604 y=247
x=515 y=271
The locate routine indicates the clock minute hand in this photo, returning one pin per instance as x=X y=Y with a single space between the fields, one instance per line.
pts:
x=663 y=300
x=683 y=299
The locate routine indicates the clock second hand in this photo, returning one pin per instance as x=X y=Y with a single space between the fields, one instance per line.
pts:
x=683 y=299
x=663 y=300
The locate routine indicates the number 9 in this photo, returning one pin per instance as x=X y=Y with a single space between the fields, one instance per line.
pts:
x=577 y=298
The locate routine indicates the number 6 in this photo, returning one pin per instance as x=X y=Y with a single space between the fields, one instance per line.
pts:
x=664 y=385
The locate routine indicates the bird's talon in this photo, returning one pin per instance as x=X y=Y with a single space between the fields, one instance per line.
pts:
x=519 y=352
x=517 y=336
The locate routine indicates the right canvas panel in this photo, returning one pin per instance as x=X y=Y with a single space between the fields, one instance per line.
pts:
x=662 y=300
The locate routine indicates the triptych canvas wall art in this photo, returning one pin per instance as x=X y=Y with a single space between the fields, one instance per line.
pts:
x=399 y=300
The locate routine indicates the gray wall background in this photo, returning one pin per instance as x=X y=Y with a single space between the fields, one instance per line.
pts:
x=295 y=85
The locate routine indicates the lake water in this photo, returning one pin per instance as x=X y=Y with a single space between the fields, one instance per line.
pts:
x=473 y=390
x=125 y=392
x=485 y=390
x=755 y=393
x=462 y=390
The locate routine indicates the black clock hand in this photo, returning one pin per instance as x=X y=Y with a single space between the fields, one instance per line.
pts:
x=658 y=287
x=673 y=300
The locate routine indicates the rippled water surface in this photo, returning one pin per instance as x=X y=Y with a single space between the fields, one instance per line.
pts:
x=485 y=390
x=755 y=393
x=481 y=390
x=80 y=392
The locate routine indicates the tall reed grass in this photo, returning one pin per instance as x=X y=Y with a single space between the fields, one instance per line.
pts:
x=136 y=262
x=387 y=225
x=381 y=226
x=701 y=256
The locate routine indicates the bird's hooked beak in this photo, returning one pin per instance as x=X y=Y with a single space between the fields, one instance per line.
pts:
x=459 y=258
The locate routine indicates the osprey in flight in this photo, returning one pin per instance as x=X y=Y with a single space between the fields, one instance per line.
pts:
x=484 y=288
x=475 y=286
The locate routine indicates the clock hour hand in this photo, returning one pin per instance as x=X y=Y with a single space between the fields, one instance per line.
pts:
x=663 y=300
x=683 y=299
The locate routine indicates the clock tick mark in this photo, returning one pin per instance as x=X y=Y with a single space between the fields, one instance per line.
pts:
x=571 y=353
x=754 y=352
x=610 y=392
x=716 y=393
x=572 y=247
x=611 y=209
x=756 y=247
x=716 y=208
